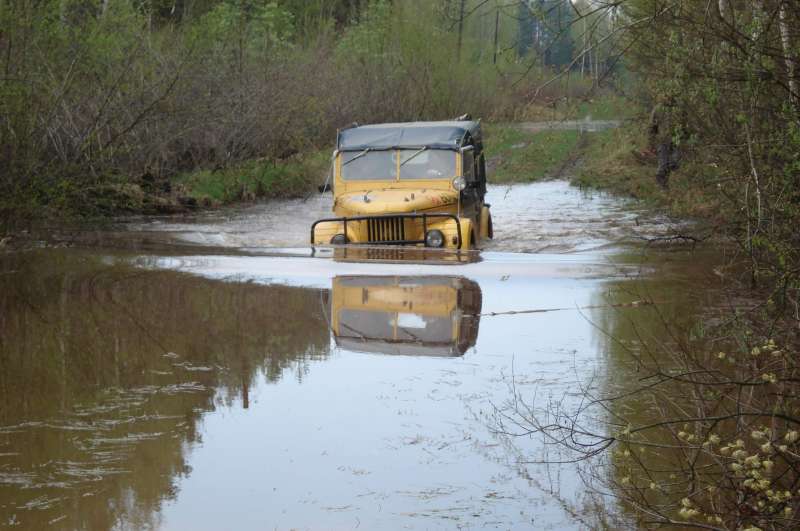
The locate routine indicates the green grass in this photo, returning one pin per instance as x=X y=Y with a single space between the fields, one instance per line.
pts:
x=520 y=156
x=257 y=179
x=605 y=107
x=613 y=160
x=618 y=160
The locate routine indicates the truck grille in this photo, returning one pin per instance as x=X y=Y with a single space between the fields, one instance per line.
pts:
x=388 y=229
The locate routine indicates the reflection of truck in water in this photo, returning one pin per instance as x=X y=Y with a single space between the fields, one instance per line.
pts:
x=420 y=184
x=417 y=316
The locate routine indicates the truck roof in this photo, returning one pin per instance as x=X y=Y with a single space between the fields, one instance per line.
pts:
x=451 y=134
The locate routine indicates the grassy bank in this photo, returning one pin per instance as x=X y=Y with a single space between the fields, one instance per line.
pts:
x=516 y=155
x=113 y=195
x=618 y=160
x=257 y=179
x=527 y=153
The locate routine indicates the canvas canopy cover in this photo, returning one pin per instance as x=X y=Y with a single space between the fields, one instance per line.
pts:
x=435 y=135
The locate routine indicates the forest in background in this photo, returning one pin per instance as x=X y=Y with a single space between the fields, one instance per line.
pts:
x=105 y=105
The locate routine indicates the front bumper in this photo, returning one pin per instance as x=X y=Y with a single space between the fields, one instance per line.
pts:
x=389 y=229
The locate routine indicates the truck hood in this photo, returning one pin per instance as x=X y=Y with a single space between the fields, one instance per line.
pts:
x=394 y=201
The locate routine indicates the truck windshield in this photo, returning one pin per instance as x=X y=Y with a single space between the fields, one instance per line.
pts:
x=414 y=164
x=393 y=326
x=427 y=164
x=369 y=166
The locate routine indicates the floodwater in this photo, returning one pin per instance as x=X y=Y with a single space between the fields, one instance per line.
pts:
x=546 y=217
x=215 y=373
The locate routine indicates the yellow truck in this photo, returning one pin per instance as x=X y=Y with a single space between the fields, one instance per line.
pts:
x=419 y=183
x=418 y=316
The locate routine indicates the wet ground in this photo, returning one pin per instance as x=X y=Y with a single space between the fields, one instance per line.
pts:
x=214 y=373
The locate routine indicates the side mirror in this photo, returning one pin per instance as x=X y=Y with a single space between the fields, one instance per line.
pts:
x=324 y=188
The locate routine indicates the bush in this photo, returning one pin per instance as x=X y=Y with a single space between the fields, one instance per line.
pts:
x=119 y=91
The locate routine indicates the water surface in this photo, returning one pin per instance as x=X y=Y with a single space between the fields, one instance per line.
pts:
x=217 y=380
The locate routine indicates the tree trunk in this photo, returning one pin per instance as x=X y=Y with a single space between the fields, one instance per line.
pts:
x=789 y=56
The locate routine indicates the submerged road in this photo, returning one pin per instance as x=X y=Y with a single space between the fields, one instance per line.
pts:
x=224 y=377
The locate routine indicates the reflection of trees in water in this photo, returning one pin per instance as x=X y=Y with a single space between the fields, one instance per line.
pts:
x=635 y=337
x=638 y=325
x=105 y=372
x=631 y=330
x=697 y=410
x=705 y=412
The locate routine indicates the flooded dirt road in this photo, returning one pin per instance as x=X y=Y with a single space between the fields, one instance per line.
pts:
x=223 y=376
x=545 y=217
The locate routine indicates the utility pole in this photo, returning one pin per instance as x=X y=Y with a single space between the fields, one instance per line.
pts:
x=585 y=41
x=460 y=27
x=496 y=28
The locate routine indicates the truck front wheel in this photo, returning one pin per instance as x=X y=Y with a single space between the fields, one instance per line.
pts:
x=486 y=223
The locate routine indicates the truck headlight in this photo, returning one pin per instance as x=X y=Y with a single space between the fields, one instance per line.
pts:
x=434 y=238
x=339 y=239
x=459 y=183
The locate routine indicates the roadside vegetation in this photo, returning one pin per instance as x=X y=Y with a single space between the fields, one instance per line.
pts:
x=112 y=106
x=699 y=425
x=620 y=161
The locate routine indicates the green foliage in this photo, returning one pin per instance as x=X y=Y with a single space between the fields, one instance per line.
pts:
x=253 y=26
x=369 y=39
x=724 y=81
x=411 y=65
x=719 y=81
x=108 y=95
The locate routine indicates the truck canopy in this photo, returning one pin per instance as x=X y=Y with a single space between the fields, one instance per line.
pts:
x=452 y=135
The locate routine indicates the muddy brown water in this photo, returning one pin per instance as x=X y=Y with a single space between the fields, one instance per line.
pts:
x=214 y=373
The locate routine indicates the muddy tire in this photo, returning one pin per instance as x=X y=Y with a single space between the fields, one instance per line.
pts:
x=485 y=223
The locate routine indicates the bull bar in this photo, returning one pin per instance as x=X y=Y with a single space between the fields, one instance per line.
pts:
x=424 y=216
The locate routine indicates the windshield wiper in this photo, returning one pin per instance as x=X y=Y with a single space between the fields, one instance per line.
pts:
x=414 y=155
x=356 y=157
